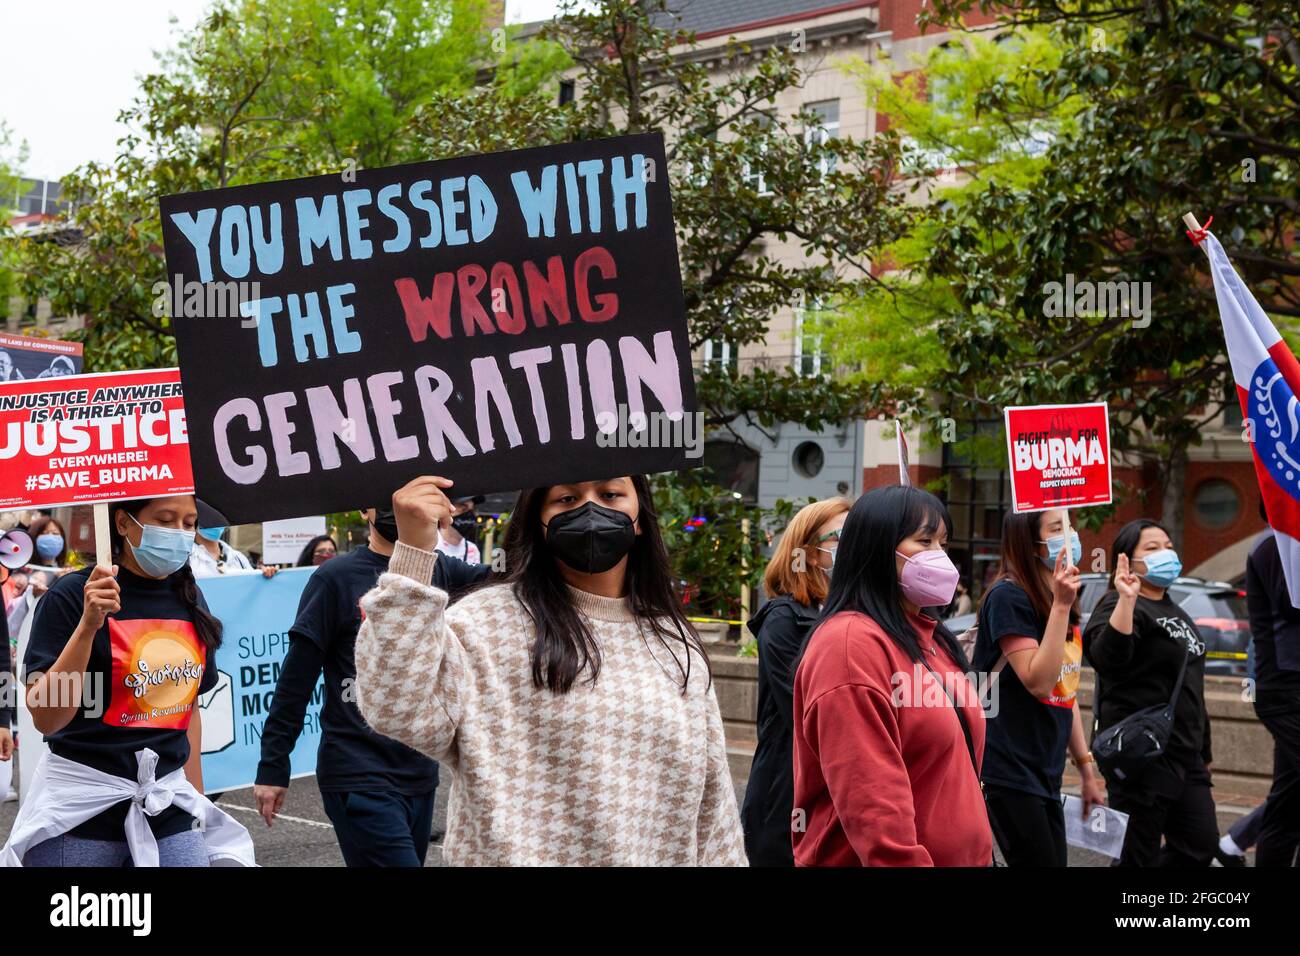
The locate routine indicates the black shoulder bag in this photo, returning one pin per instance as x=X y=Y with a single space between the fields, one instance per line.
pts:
x=1125 y=750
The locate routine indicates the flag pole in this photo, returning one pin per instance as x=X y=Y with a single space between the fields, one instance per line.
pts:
x=1195 y=231
x=103 y=553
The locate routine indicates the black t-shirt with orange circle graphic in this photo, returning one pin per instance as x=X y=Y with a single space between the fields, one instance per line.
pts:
x=1027 y=737
x=147 y=668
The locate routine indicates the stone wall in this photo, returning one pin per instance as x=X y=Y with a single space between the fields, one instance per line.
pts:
x=1243 y=749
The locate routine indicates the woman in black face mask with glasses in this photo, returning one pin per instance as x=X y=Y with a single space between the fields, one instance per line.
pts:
x=572 y=698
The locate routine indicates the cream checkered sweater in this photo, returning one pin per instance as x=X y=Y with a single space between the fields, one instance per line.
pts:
x=628 y=772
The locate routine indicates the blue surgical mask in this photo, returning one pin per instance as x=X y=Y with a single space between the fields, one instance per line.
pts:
x=213 y=534
x=161 y=551
x=48 y=546
x=1056 y=543
x=1163 y=567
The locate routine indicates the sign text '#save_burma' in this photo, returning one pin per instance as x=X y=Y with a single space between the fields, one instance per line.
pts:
x=481 y=318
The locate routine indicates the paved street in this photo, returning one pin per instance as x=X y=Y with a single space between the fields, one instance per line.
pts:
x=303 y=836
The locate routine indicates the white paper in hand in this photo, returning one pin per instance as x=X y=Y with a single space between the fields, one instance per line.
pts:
x=1102 y=832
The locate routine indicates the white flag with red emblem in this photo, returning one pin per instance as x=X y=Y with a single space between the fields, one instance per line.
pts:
x=1268 y=380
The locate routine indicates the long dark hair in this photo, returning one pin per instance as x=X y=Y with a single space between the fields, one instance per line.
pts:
x=182 y=581
x=1020 y=562
x=564 y=647
x=865 y=578
x=1126 y=542
x=308 y=556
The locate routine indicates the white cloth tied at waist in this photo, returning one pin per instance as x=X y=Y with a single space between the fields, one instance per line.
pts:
x=66 y=793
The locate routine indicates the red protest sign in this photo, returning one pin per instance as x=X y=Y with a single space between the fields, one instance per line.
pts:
x=83 y=439
x=1059 y=456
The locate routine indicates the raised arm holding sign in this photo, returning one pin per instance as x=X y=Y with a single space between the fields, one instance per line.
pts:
x=495 y=319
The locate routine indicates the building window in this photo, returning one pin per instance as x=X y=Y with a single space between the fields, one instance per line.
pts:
x=826 y=127
x=1232 y=417
x=701 y=171
x=808 y=354
x=977 y=496
x=734 y=466
x=568 y=92
x=808 y=459
x=721 y=353
x=755 y=177
x=1216 y=503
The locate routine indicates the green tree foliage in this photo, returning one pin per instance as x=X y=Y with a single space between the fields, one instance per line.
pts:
x=1145 y=111
x=742 y=176
x=260 y=90
x=974 y=116
x=716 y=542
x=12 y=157
x=269 y=89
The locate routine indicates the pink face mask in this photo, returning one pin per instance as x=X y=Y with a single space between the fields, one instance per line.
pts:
x=929 y=578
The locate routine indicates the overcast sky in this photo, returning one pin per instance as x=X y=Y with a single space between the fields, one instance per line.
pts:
x=71 y=65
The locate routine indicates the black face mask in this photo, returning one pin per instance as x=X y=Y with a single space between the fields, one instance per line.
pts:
x=591 y=538
x=466 y=525
x=386 y=524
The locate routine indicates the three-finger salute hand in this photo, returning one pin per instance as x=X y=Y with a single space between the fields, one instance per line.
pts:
x=1126 y=582
x=101 y=596
x=420 y=508
x=1065 y=580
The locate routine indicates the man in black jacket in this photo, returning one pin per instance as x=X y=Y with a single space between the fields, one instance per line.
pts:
x=1275 y=629
x=377 y=792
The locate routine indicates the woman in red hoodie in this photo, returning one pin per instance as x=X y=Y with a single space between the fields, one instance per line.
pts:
x=889 y=730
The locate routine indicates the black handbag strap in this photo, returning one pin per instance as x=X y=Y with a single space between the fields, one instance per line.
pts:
x=965 y=728
x=1178 y=684
x=1173 y=698
x=970 y=744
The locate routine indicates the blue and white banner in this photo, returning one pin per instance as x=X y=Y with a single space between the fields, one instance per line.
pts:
x=256 y=614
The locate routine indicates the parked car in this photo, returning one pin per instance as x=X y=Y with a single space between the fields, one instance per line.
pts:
x=1217 y=608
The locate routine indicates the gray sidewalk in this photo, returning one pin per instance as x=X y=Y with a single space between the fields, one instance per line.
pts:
x=303 y=836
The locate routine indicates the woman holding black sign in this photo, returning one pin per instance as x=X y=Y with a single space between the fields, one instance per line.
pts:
x=1144 y=647
x=573 y=701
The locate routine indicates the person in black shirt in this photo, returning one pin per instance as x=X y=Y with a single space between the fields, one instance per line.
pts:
x=377 y=792
x=1028 y=641
x=796 y=580
x=114 y=664
x=1275 y=630
x=1137 y=639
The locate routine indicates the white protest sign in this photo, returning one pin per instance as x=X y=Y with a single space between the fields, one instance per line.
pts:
x=283 y=541
x=1103 y=831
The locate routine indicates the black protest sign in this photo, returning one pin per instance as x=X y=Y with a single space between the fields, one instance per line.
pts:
x=506 y=320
